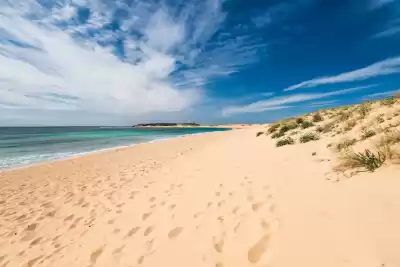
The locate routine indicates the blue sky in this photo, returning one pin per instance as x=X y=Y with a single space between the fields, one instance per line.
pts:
x=101 y=62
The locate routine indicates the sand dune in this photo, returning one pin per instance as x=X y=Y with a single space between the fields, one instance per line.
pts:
x=218 y=199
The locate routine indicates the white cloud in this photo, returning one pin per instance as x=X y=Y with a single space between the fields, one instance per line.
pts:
x=382 y=94
x=385 y=67
x=283 y=101
x=51 y=60
x=322 y=103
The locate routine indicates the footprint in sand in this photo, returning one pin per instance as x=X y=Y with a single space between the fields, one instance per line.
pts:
x=96 y=254
x=32 y=262
x=118 y=250
x=264 y=224
x=236 y=227
x=175 y=232
x=140 y=260
x=148 y=230
x=146 y=215
x=132 y=232
x=68 y=218
x=197 y=214
x=256 y=206
x=218 y=244
x=258 y=249
x=235 y=210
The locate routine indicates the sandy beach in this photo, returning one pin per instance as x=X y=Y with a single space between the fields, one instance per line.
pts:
x=220 y=199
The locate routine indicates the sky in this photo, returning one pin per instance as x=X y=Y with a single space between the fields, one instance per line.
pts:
x=122 y=62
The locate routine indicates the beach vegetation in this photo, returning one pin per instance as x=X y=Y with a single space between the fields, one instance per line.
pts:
x=345 y=144
x=287 y=127
x=367 y=134
x=317 y=117
x=328 y=127
x=285 y=141
x=299 y=120
x=259 y=133
x=306 y=124
x=350 y=125
x=277 y=135
x=344 y=116
x=364 y=109
x=273 y=128
x=308 y=137
x=380 y=118
x=390 y=101
x=368 y=160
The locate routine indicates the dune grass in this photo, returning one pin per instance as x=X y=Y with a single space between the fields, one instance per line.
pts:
x=367 y=159
x=308 y=137
x=345 y=144
x=306 y=124
x=285 y=141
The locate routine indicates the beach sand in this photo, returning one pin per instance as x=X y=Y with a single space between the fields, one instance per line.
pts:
x=221 y=199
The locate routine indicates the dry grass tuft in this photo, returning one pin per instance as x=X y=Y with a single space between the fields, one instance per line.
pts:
x=259 y=133
x=344 y=116
x=367 y=134
x=345 y=144
x=317 y=117
x=350 y=125
x=390 y=101
x=364 y=109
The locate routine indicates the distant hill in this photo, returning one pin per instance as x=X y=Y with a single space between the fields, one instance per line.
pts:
x=166 y=124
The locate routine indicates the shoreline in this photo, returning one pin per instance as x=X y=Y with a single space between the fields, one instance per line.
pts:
x=83 y=154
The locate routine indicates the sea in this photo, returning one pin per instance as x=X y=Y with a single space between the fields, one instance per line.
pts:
x=21 y=146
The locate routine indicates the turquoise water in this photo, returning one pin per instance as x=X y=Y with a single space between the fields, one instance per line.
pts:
x=21 y=146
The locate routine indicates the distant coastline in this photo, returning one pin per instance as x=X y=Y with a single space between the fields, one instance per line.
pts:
x=167 y=124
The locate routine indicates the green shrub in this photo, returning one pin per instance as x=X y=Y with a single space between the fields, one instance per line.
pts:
x=390 y=101
x=317 y=117
x=308 y=137
x=285 y=141
x=328 y=127
x=273 y=128
x=287 y=127
x=299 y=120
x=367 y=134
x=367 y=159
x=259 y=133
x=306 y=124
x=277 y=135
